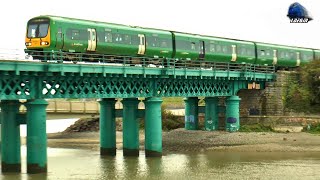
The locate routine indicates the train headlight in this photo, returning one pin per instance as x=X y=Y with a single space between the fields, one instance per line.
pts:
x=28 y=43
x=44 y=43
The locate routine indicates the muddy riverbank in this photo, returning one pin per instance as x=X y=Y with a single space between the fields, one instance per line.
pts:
x=183 y=141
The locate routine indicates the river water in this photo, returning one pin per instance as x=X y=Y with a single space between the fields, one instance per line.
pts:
x=83 y=164
x=87 y=164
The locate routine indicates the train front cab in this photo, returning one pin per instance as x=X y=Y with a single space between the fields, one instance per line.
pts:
x=37 y=36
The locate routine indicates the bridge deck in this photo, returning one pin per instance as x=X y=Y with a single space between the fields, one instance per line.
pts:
x=34 y=79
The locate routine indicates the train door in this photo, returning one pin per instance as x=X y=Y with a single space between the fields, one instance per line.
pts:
x=298 y=59
x=92 y=40
x=201 y=50
x=234 y=53
x=59 y=39
x=275 y=57
x=142 y=44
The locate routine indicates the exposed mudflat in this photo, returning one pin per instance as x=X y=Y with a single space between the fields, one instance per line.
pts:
x=183 y=141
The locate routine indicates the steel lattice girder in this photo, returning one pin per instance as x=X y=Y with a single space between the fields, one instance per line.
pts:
x=34 y=87
x=21 y=80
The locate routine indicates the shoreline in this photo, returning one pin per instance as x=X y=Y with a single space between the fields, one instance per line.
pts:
x=183 y=141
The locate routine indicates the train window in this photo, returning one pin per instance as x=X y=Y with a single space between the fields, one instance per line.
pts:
x=75 y=35
x=59 y=35
x=262 y=53
x=243 y=51
x=153 y=41
x=135 y=39
x=183 y=45
x=218 y=48
x=212 y=48
x=307 y=56
x=282 y=55
x=292 y=55
x=268 y=53
x=304 y=56
x=287 y=55
x=43 y=30
x=163 y=43
x=107 y=36
x=250 y=52
x=127 y=39
x=193 y=46
x=224 y=49
x=118 y=38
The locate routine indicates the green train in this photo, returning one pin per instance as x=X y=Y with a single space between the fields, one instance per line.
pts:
x=72 y=36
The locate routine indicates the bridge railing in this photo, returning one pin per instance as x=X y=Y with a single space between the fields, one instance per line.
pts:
x=156 y=62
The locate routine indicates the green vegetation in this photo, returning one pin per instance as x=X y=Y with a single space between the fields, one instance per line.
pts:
x=173 y=101
x=303 y=92
x=256 y=128
x=312 y=128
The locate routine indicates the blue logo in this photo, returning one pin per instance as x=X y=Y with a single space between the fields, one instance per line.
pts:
x=298 y=14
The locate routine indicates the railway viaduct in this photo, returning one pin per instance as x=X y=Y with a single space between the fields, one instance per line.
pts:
x=36 y=81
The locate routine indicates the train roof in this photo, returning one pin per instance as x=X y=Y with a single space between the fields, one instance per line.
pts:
x=100 y=23
x=283 y=46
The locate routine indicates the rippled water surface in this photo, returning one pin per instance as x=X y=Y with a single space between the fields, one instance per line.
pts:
x=87 y=164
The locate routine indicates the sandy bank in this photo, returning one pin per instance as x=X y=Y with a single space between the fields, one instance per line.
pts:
x=182 y=141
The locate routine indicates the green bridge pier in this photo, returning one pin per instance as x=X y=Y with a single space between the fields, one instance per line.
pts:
x=37 y=81
x=211 y=111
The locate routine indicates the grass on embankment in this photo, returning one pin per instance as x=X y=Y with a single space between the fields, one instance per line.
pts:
x=312 y=128
x=173 y=102
x=256 y=128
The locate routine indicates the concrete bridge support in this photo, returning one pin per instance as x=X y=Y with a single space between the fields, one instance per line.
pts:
x=211 y=114
x=107 y=127
x=153 y=127
x=10 y=137
x=36 y=136
x=232 y=113
x=191 y=113
x=130 y=127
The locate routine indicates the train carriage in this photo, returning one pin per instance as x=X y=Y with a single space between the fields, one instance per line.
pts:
x=80 y=36
x=232 y=51
x=282 y=56
x=196 y=47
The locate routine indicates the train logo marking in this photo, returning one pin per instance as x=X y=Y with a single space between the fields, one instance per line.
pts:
x=298 y=13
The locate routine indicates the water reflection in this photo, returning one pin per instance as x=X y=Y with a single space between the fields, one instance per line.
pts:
x=154 y=166
x=87 y=164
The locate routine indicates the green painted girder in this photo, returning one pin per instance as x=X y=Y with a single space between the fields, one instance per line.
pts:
x=247 y=72
x=35 y=80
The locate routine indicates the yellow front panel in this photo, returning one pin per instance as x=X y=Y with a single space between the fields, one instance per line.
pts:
x=36 y=42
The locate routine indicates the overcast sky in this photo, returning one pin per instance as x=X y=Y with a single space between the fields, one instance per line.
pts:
x=252 y=20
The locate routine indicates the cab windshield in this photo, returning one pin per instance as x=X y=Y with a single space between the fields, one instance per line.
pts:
x=38 y=28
